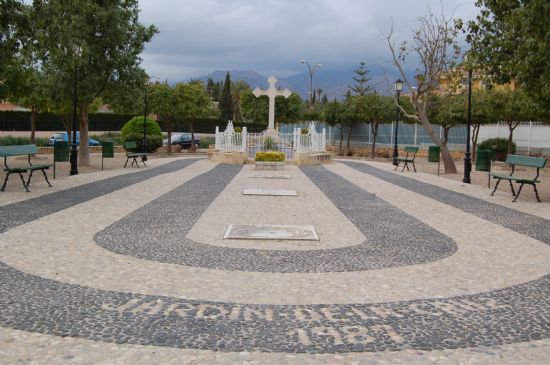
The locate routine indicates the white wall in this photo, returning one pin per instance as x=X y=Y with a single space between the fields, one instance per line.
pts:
x=528 y=136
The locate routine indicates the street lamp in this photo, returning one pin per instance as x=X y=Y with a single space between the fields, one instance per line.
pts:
x=311 y=71
x=144 y=144
x=74 y=149
x=398 y=86
x=467 y=155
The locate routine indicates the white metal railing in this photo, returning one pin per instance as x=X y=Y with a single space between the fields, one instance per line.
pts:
x=288 y=143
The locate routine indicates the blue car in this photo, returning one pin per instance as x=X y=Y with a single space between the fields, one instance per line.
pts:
x=63 y=137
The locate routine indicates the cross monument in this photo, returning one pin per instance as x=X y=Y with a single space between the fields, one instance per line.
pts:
x=271 y=93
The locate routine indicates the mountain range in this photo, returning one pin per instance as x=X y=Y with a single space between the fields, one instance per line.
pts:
x=334 y=83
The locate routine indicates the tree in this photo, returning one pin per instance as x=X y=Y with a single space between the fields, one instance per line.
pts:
x=434 y=45
x=379 y=109
x=100 y=39
x=226 y=101
x=162 y=100
x=286 y=110
x=356 y=112
x=480 y=115
x=361 y=87
x=191 y=102
x=448 y=112
x=238 y=88
x=509 y=40
x=334 y=114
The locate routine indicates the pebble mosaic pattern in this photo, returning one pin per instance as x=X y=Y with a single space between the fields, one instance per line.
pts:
x=527 y=224
x=504 y=316
x=393 y=238
x=26 y=211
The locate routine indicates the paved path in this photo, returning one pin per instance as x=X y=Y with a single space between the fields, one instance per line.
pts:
x=409 y=268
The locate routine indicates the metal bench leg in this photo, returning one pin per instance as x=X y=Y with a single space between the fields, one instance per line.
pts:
x=127 y=158
x=23 y=181
x=143 y=161
x=29 y=179
x=6 y=180
x=519 y=192
x=496 y=186
x=396 y=166
x=46 y=177
x=512 y=187
x=414 y=167
x=136 y=162
x=537 y=193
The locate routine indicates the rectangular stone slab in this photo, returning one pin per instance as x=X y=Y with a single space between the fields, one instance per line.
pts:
x=270 y=176
x=270 y=192
x=271 y=232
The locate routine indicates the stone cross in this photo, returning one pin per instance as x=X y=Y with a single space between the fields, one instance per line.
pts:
x=271 y=93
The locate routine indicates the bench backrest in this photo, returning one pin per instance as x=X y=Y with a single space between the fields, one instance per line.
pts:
x=130 y=145
x=26 y=149
x=537 y=162
x=411 y=149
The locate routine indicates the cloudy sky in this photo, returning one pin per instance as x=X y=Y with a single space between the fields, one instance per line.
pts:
x=271 y=36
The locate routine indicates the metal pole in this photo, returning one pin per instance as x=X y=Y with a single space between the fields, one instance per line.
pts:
x=467 y=157
x=74 y=149
x=395 y=150
x=144 y=149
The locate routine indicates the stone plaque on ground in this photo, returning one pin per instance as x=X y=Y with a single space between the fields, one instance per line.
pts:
x=270 y=176
x=270 y=192
x=271 y=232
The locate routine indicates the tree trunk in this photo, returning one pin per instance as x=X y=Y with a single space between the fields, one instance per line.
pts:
x=450 y=167
x=475 y=133
x=446 y=130
x=341 y=138
x=34 y=117
x=83 y=149
x=349 y=138
x=511 y=127
x=169 y=130
x=374 y=131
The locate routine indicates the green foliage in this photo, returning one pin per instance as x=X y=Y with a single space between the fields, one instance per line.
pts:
x=135 y=126
x=114 y=137
x=153 y=141
x=361 y=87
x=509 y=39
x=498 y=146
x=270 y=156
x=226 y=101
x=238 y=129
x=257 y=109
x=333 y=113
x=305 y=131
x=269 y=143
x=206 y=141
x=12 y=141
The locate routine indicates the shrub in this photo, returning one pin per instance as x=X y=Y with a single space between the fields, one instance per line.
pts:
x=269 y=143
x=114 y=137
x=17 y=141
x=206 y=141
x=238 y=130
x=498 y=147
x=132 y=131
x=270 y=156
x=305 y=130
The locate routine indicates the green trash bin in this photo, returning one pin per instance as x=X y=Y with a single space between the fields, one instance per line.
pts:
x=434 y=155
x=60 y=153
x=107 y=151
x=483 y=163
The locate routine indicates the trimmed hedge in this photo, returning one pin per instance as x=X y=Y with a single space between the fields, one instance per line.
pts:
x=133 y=132
x=270 y=156
x=13 y=141
x=498 y=147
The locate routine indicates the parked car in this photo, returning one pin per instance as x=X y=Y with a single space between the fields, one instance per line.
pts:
x=183 y=139
x=64 y=137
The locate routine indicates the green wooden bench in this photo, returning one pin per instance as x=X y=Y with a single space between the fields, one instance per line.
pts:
x=13 y=151
x=515 y=160
x=130 y=147
x=407 y=158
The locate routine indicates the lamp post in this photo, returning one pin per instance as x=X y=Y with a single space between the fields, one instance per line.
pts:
x=144 y=144
x=74 y=149
x=311 y=71
x=467 y=155
x=398 y=86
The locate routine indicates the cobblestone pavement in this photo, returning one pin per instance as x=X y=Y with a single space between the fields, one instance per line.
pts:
x=132 y=268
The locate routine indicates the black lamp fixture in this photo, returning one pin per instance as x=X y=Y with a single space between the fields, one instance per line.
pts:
x=311 y=71
x=74 y=148
x=398 y=87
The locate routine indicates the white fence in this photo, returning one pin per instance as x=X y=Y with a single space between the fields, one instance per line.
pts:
x=288 y=143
